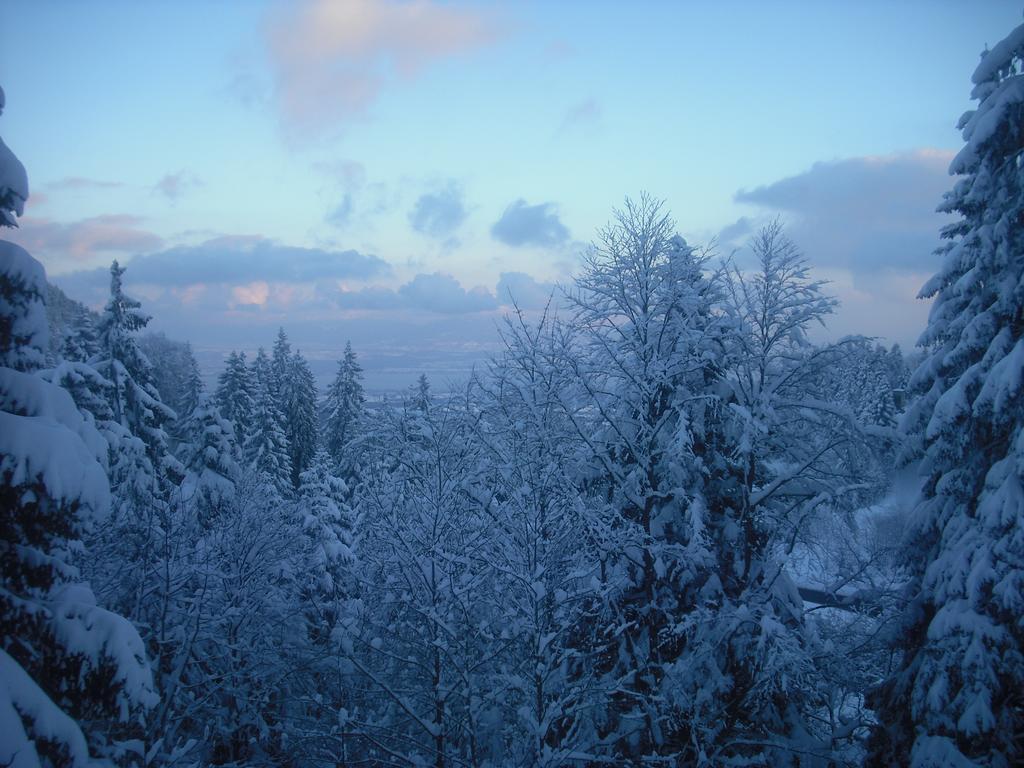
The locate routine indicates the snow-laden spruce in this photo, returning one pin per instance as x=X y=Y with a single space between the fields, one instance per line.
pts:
x=73 y=676
x=344 y=406
x=266 y=445
x=296 y=393
x=209 y=458
x=956 y=698
x=235 y=395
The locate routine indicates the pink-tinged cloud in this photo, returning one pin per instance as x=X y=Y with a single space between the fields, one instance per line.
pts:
x=276 y=296
x=332 y=57
x=190 y=295
x=57 y=241
x=252 y=294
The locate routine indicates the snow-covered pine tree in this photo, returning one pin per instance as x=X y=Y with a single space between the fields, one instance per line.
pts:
x=299 y=402
x=266 y=446
x=143 y=471
x=421 y=393
x=81 y=342
x=192 y=391
x=208 y=454
x=134 y=399
x=861 y=378
x=293 y=388
x=174 y=367
x=328 y=522
x=343 y=410
x=73 y=676
x=235 y=395
x=956 y=699
x=325 y=581
x=880 y=404
x=896 y=365
x=280 y=362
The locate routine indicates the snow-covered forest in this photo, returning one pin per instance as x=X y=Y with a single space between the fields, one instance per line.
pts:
x=662 y=527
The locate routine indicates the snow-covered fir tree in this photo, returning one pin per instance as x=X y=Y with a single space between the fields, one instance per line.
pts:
x=192 y=392
x=174 y=370
x=299 y=402
x=421 y=393
x=143 y=470
x=74 y=679
x=955 y=700
x=866 y=378
x=236 y=394
x=209 y=459
x=343 y=411
x=266 y=444
x=280 y=361
x=328 y=523
x=81 y=341
x=134 y=399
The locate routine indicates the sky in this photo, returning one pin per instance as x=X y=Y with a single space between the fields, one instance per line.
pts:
x=393 y=172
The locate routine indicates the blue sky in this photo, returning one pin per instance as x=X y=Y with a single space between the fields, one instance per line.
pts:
x=386 y=170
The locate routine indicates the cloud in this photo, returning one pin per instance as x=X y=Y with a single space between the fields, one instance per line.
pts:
x=523 y=224
x=174 y=185
x=742 y=228
x=864 y=214
x=436 y=293
x=54 y=241
x=524 y=290
x=443 y=293
x=440 y=293
x=585 y=114
x=196 y=285
x=438 y=214
x=250 y=294
x=247 y=259
x=369 y=298
x=332 y=58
